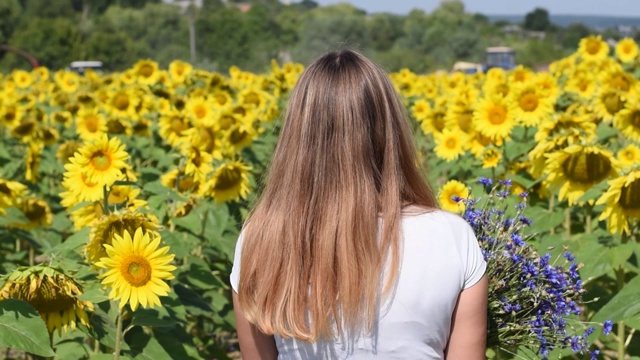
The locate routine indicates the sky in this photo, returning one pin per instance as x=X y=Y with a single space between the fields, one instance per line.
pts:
x=630 y=8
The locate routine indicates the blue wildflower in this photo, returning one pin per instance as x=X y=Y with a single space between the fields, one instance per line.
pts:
x=485 y=181
x=607 y=327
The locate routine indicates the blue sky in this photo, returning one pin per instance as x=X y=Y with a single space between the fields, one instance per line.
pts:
x=511 y=7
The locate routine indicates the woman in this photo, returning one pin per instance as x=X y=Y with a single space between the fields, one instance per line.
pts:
x=345 y=255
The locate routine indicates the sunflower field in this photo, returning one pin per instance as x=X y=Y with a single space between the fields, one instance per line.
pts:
x=122 y=194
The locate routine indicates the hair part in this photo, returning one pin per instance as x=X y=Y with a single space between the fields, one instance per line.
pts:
x=327 y=225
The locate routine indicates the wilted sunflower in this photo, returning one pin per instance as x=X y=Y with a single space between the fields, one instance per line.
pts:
x=102 y=161
x=107 y=226
x=137 y=269
x=629 y=156
x=576 y=168
x=230 y=182
x=627 y=50
x=449 y=144
x=449 y=195
x=32 y=161
x=593 y=48
x=494 y=118
x=622 y=202
x=66 y=150
x=52 y=293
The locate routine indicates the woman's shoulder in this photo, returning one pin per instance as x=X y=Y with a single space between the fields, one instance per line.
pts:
x=434 y=221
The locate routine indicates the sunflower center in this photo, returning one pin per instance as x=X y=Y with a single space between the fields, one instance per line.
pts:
x=34 y=211
x=620 y=82
x=451 y=143
x=226 y=121
x=252 y=98
x=464 y=120
x=49 y=298
x=200 y=111
x=593 y=46
x=240 y=110
x=630 y=196
x=91 y=123
x=186 y=183
x=629 y=155
x=121 y=101
x=177 y=125
x=529 y=102
x=136 y=270
x=228 y=179
x=4 y=189
x=586 y=168
x=221 y=99
x=237 y=136
x=25 y=128
x=612 y=103
x=497 y=115
x=146 y=70
x=115 y=126
x=438 y=121
x=627 y=48
x=101 y=161
x=502 y=89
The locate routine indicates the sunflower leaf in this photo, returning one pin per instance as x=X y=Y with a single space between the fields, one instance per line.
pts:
x=22 y=328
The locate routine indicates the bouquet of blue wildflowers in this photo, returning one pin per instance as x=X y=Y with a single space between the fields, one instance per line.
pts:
x=532 y=297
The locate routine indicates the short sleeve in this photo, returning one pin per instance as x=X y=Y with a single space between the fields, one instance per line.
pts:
x=235 y=270
x=475 y=263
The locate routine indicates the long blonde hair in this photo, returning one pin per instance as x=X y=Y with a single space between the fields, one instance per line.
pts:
x=327 y=223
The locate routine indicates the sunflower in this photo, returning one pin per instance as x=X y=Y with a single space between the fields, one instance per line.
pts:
x=206 y=139
x=52 y=293
x=10 y=115
x=137 y=269
x=627 y=50
x=90 y=124
x=494 y=118
x=531 y=105
x=583 y=85
x=123 y=103
x=230 y=182
x=146 y=72
x=629 y=156
x=420 y=109
x=593 y=48
x=68 y=81
x=79 y=186
x=86 y=215
x=26 y=130
x=520 y=74
x=179 y=70
x=22 y=79
x=628 y=120
x=173 y=126
x=239 y=137
x=101 y=161
x=548 y=86
x=449 y=195
x=179 y=181
x=32 y=161
x=61 y=117
x=198 y=163
x=607 y=103
x=107 y=226
x=622 y=201
x=435 y=121
x=576 y=168
x=491 y=158
x=459 y=117
x=449 y=144
x=200 y=111
x=66 y=150
x=10 y=192
x=617 y=79
x=37 y=212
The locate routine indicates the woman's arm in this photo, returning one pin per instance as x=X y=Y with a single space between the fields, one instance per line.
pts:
x=254 y=345
x=469 y=324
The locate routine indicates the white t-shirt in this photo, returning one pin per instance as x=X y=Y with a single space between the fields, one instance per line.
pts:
x=440 y=258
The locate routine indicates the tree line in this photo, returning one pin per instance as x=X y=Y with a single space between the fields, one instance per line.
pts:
x=252 y=32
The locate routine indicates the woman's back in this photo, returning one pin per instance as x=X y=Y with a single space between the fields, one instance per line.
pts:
x=440 y=257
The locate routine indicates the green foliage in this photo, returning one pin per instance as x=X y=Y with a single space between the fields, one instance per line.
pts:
x=537 y=20
x=21 y=328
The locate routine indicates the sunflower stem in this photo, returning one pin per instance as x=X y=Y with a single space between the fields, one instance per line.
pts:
x=116 y=351
x=105 y=200
x=567 y=223
x=621 y=326
x=32 y=255
x=588 y=220
x=551 y=205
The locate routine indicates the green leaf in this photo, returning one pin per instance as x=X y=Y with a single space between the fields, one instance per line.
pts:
x=595 y=191
x=623 y=305
x=22 y=328
x=146 y=347
x=71 y=349
x=605 y=131
x=544 y=220
x=152 y=317
x=13 y=216
x=73 y=243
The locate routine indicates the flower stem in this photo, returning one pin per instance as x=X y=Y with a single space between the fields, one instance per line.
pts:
x=567 y=223
x=116 y=351
x=621 y=326
x=105 y=200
